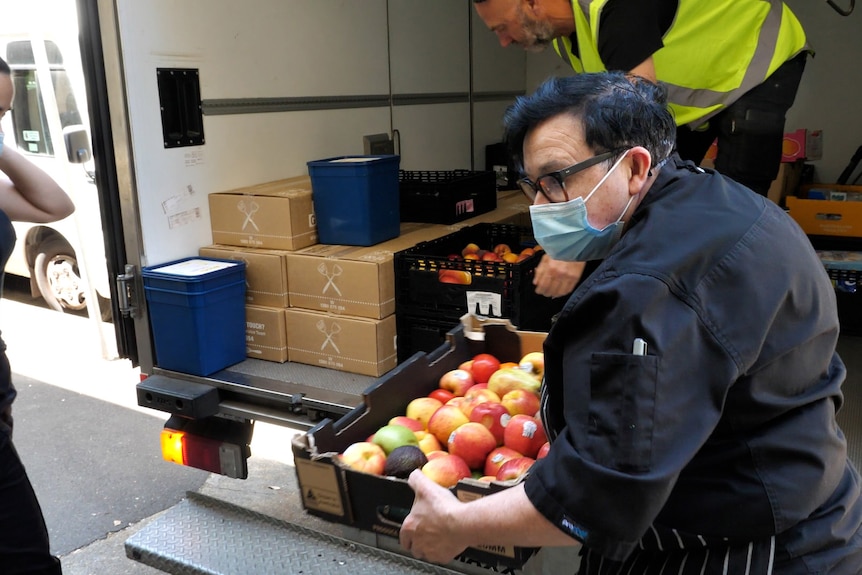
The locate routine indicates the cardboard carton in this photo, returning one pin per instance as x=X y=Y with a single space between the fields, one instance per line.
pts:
x=341 y=342
x=786 y=182
x=265 y=272
x=378 y=504
x=265 y=333
x=278 y=215
x=360 y=281
x=351 y=280
x=828 y=217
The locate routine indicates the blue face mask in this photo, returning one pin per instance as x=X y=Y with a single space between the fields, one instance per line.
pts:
x=1 y=143
x=564 y=231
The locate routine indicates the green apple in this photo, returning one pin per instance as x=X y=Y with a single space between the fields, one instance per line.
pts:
x=393 y=435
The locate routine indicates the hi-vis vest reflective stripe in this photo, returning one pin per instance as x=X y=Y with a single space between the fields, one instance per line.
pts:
x=714 y=52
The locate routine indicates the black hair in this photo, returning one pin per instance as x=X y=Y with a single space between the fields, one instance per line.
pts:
x=618 y=111
x=4 y=67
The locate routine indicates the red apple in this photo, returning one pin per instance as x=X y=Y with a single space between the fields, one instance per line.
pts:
x=457 y=381
x=497 y=458
x=364 y=456
x=470 y=248
x=481 y=396
x=446 y=420
x=422 y=408
x=408 y=422
x=524 y=434
x=467 y=366
x=515 y=468
x=446 y=470
x=543 y=451
x=460 y=277
x=481 y=391
x=521 y=401
x=492 y=415
x=484 y=364
x=501 y=249
x=435 y=454
x=443 y=395
x=472 y=442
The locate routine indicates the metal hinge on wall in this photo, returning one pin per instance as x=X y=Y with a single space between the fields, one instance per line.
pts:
x=126 y=292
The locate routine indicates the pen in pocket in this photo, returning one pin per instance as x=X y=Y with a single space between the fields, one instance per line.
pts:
x=639 y=346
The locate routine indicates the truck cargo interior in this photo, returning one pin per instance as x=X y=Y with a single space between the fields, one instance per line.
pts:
x=275 y=201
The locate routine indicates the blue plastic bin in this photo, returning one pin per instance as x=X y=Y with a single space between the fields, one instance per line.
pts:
x=356 y=199
x=197 y=313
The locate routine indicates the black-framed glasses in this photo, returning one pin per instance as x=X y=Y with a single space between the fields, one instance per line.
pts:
x=551 y=185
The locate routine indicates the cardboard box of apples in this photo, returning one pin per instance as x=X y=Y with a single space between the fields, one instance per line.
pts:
x=466 y=414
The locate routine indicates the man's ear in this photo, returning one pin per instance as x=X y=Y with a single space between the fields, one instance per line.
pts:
x=640 y=168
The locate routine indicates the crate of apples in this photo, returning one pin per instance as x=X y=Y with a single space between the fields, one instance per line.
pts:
x=481 y=422
x=472 y=252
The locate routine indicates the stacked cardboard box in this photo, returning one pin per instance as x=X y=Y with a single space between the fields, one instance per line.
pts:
x=259 y=225
x=326 y=305
x=342 y=298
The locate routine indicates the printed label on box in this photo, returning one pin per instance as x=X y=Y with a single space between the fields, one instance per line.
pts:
x=319 y=485
x=485 y=303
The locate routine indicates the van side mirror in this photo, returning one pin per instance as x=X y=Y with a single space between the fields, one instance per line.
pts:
x=77 y=144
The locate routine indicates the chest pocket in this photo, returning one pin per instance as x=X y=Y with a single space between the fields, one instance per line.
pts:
x=621 y=414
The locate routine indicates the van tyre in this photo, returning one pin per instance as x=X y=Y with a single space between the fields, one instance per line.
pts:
x=57 y=277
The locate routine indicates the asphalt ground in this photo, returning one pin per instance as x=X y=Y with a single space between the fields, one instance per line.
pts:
x=92 y=454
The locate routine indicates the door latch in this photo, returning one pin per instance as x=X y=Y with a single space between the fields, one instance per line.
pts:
x=126 y=292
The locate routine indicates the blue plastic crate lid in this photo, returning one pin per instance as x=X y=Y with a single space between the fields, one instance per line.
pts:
x=841 y=260
x=192 y=268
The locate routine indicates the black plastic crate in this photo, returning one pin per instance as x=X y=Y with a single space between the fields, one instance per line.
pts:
x=495 y=289
x=445 y=197
x=846 y=280
x=421 y=333
x=848 y=296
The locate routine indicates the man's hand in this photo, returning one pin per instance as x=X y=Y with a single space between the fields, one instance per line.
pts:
x=430 y=532
x=555 y=278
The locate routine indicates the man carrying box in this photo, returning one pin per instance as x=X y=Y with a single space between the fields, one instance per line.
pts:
x=691 y=380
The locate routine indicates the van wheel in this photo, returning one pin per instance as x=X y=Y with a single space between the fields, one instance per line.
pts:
x=58 y=278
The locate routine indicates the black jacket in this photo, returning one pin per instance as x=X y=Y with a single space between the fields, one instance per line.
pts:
x=724 y=433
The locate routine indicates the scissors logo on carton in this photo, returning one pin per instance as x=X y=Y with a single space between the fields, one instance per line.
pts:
x=249 y=209
x=334 y=330
x=330 y=276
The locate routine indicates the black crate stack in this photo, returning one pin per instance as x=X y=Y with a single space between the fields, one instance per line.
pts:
x=445 y=197
x=427 y=308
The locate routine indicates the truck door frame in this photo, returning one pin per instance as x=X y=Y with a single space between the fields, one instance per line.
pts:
x=102 y=64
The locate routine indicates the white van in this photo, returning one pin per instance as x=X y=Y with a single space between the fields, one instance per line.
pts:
x=49 y=123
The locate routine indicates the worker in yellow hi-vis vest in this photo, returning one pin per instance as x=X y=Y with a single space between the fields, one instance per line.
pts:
x=731 y=67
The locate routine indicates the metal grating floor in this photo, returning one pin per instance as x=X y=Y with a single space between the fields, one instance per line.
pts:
x=201 y=536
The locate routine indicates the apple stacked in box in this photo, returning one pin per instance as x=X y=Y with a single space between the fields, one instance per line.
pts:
x=472 y=252
x=481 y=422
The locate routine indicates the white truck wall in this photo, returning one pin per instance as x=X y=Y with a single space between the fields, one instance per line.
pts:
x=828 y=97
x=299 y=48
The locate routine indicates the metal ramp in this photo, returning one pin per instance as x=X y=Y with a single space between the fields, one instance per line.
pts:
x=207 y=536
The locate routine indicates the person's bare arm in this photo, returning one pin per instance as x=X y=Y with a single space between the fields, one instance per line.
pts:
x=440 y=526
x=645 y=69
x=555 y=278
x=27 y=193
